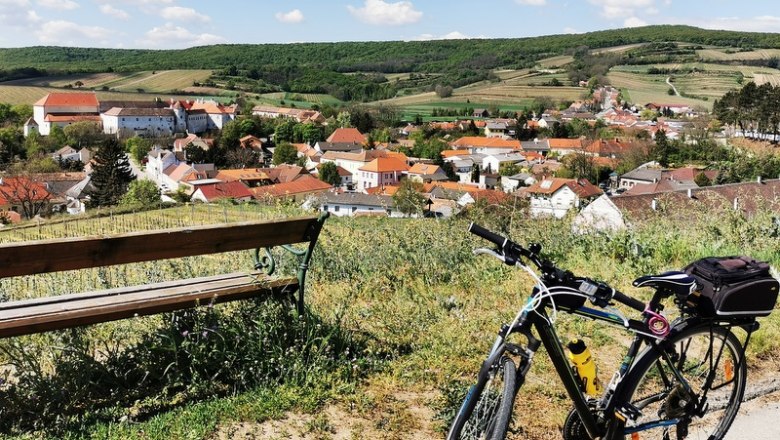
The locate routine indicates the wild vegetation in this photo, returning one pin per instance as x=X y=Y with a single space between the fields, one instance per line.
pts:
x=400 y=315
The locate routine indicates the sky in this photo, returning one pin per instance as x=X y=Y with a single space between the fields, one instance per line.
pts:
x=171 y=24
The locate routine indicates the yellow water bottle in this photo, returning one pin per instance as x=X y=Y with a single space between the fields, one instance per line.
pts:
x=586 y=368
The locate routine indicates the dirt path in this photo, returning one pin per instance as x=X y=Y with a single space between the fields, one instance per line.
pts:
x=669 y=81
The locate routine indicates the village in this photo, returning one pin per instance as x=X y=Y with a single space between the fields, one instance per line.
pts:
x=481 y=158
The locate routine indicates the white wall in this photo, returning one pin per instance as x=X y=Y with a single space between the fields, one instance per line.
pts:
x=557 y=205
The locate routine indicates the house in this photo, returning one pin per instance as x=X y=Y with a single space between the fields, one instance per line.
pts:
x=175 y=175
x=182 y=143
x=58 y=185
x=556 y=196
x=25 y=196
x=511 y=183
x=297 y=190
x=149 y=122
x=77 y=196
x=677 y=109
x=66 y=153
x=646 y=180
x=536 y=146
x=497 y=130
x=62 y=109
x=157 y=161
x=547 y=121
x=215 y=192
x=323 y=147
x=422 y=172
x=612 y=148
x=480 y=113
x=478 y=144
x=562 y=147
x=494 y=163
x=356 y=204
x=346 y=136
x=747 y=199
x=250 y=177
x=300 y=115
x=217 y=115
x=380 y=171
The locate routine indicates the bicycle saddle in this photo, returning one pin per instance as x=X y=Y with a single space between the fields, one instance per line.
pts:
x=678 y=282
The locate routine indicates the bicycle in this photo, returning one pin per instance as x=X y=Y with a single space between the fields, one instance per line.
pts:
x=679 y=379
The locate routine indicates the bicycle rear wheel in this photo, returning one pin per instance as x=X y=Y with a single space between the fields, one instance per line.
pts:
x=486 y=411
x=668 y=410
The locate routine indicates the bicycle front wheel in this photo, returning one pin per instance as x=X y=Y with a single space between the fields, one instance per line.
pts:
x=711 y=361
x=486 y=411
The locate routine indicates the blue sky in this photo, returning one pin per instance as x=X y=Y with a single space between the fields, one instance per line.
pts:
x=164 y=24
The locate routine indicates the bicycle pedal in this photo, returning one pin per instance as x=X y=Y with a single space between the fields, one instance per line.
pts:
x=628 y=411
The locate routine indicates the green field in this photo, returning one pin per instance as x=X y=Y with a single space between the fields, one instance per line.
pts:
x=642 y=88
x=31 y=94
x=150 y=81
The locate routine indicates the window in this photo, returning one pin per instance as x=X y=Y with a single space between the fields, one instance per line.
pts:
x=325 y=207
x=336 y=208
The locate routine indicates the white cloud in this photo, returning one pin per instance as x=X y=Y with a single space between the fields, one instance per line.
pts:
x=379 y=12
x=65 y=5
x=622 y=8
x=180 y=13
x=17 y=13
x=634 y=22
x=570 y=30
x=531 y=2
x=454 y=35
x=63 y=32
x=764 y=23
x=172 y=35
x=294 y=16
x=114 y=12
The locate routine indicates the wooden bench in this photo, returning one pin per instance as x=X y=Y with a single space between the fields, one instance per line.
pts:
x=44 y=314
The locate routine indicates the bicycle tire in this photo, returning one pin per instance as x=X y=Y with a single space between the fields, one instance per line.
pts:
x=487 y=409
x=652 y=389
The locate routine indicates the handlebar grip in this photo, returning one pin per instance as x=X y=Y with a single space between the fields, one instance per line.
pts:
x=627 y=300
x=488 y=235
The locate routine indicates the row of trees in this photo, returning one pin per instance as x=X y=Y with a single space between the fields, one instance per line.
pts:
x=754 y=109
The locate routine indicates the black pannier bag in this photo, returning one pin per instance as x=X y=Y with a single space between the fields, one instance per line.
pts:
x=736 y=286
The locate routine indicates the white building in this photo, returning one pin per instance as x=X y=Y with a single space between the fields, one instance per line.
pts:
x=555 y=197
x=382 y=171
x=139 y=121
x=62 y=109
x=494 y=162
x=355 y=204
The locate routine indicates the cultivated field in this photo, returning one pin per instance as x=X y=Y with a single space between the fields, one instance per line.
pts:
x=31 y=94
x=149 y=81
x=558 y=61
x=642 y=88
x=723 y=55
x=90 y=81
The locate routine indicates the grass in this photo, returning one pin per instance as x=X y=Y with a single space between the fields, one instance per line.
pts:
x=161 y=81
x=642 y=88
x=423 y=305
x=723 y=55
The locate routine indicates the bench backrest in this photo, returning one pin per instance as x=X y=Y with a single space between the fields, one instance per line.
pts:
x=34 y=257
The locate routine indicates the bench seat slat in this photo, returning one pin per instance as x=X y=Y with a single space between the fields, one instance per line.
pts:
x=45 y=314
x=61 y=254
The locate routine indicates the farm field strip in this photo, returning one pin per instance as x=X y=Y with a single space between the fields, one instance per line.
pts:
x=642 y=88
x=721 y=55
x=31 y=94
x=558 y=61
x=166 y=80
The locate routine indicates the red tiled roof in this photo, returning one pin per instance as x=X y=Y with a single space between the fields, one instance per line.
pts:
x=77 y=99
x=424 y=169
x=72 y=118
x=384 y=165
x=225 y=190
x=346 y=136
x=242 y=174
x=565 y=144
x=582 y=187
x=483 y=142
x=301 y=185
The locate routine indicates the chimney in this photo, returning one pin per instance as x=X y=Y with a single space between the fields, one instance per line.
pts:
x=736 y=203
x=654 y=205
x=690 y=193
x=758 y=179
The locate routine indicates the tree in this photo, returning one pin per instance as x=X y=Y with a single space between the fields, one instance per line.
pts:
x=111 y=174
x=661 y=150
x=21 y=189
x=475 y=173
x=285 y=153
x=581 y=165
x=242 y=158
x=141 y=192
x=84 y=133
x=138 y=148
x=702 y=180
x=329 y=173
x=196 y=154
x=78 y=84
x=408 y=198
x=443 y=91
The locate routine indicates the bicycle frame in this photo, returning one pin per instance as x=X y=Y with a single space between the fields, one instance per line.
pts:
x=548 y=337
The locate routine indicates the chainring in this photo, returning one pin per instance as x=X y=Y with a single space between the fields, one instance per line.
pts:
x=573 y=428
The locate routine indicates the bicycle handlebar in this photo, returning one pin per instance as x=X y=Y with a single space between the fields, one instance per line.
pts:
x=509 y=252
